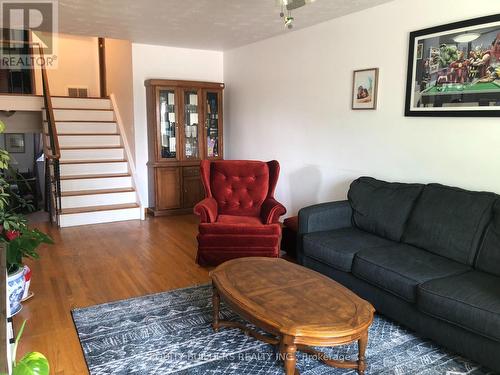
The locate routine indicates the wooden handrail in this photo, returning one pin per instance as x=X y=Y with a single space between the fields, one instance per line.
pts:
x=49 y=110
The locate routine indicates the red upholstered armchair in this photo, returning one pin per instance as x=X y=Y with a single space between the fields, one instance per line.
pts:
x=239 y=216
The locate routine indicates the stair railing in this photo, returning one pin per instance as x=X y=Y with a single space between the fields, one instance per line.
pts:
x=52 y=151
x=51 y=148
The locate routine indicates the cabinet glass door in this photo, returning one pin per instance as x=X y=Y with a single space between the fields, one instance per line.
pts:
x=168 y=123
x=191 y=121
x=212 y=124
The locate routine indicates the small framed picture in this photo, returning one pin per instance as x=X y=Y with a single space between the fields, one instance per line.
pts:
x=14 y=143
x=364 y=89
x=420 y=51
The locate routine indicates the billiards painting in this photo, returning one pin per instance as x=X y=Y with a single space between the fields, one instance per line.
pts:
x=454 y=69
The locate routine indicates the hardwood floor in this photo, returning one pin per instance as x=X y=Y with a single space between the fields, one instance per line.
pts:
x=94 y=264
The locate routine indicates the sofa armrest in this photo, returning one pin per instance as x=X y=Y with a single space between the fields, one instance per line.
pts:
x=322 y=217
x=207 y=210
x=271 y=211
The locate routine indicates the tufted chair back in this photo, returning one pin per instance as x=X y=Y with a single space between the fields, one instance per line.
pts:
x=239 y=187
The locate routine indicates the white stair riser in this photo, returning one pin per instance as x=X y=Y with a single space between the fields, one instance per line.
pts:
x=89 y=140
x=93 y=168
x=96 y=183
x=85 y=128
x=81 y=103
x=90 y=154
x=98 y=200
x=98 y=217
x=82 y=115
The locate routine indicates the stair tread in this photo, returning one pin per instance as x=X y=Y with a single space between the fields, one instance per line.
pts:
x=81 y=109
x=85 y=134
x=96 y=191
x=79 y=210
x=89 y=147
x=83 y=161
x=87 y=121
x=90 y=176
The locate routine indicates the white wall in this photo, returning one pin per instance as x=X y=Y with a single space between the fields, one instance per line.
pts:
x=22 y=162
x=77 y=66
x=23 y=121
x=29 y=123
x=119 y=82
x=150 y=62
x=288 y=98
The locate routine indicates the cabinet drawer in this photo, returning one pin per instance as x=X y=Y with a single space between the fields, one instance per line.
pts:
x=190 y=171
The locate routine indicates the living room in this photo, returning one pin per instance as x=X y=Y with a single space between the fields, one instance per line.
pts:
x=373 y=277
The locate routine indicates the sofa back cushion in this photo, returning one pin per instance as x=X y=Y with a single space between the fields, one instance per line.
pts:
x=449 y=221
x=488 y=257
x=239 y=187
x=381 y=207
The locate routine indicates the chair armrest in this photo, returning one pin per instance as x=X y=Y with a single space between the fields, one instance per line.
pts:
x=322 y=217
x=271 y=211
x=207 y=210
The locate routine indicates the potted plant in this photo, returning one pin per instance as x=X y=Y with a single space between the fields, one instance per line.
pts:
x=33 y=363
x=20 y=241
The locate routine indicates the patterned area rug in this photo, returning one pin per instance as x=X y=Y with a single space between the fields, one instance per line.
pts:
x=170 y=333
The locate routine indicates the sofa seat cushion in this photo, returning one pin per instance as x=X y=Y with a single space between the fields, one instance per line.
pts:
x=449 y=221
x=400 y=269
x=382 y=208
x=488 y=257
x=239 y=220
x=337 y=248
x=470 y=300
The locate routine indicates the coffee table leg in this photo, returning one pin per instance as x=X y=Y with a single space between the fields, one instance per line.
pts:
x=289 y=352
x=216 y=308
x=362 y=343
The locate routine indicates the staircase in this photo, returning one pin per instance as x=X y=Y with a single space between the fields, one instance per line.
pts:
x=96 y=169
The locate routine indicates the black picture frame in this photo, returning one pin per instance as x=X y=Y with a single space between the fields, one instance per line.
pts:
x=15 y=143
x=415 y=38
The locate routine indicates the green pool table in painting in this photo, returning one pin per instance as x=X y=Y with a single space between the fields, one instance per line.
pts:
x=482 y=93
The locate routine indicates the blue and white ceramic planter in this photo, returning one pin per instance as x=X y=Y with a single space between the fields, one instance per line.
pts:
x=15 y=287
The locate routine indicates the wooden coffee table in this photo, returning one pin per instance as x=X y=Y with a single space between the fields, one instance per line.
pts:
x=298 y=307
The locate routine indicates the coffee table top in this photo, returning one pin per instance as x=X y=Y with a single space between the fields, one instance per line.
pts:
x=286 y=298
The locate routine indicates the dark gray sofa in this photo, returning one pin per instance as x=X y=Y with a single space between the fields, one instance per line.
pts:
x=427 y=256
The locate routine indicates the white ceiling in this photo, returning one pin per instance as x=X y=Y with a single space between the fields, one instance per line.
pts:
x=204 y=24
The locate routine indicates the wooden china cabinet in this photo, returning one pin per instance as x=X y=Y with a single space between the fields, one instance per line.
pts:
x=184 y=127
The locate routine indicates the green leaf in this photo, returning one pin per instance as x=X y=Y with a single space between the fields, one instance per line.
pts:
x=33 y=363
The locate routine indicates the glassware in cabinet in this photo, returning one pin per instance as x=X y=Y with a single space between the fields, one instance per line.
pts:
x=191 y=125
x=212 y=124
x=168 y=124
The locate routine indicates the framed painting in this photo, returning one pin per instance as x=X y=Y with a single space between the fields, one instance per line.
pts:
x=14 y=143
x=364 y=89
x=454 y=69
